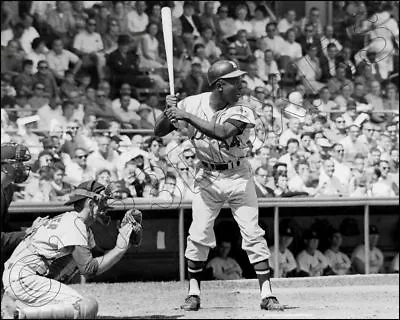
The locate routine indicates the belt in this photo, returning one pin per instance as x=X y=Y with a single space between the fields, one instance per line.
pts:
x=221 y=166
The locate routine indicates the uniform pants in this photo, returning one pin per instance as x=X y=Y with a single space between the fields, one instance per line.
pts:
x=212 y=190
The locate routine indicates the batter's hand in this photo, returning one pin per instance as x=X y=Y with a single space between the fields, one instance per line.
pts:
x=172 y=101
x=175 y=114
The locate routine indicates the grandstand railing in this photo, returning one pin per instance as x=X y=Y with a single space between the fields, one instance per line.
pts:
x=276 y=203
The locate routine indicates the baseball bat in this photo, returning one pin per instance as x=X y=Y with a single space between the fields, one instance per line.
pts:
x=166 y=18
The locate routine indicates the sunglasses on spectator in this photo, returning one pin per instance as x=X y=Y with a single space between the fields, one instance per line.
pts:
x=101 y=95
x=309 y=30
x=339 y=121
x=39 y=88
x=92 y=23
x=43 y=67
x=385 y=168
x=190 y=157
x=84 y=156
x=184 y=169
x=340 y=150
x=73 y=128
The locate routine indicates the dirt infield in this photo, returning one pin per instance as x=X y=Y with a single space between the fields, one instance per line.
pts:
x=369 y=297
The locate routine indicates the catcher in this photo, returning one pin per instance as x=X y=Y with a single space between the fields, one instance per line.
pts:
x=29 y=292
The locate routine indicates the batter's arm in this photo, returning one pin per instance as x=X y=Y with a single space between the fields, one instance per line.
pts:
x=213 y=130
x=163 y=126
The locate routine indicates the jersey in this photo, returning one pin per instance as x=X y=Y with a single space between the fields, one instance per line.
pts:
x=210 y=149
x=284 y=259
x=338 y=257
x=225 y=269
x=53 y=239
x=307 y=261
x=375 y=257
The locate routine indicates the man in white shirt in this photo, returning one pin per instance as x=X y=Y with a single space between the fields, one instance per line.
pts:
x=342 y=172
x=59 y=59
x=88 y=45
x=251 y=77
x=78 y=170
x=293 y=131
x=266 y=65
x=138 y=19
x=309 y=70
x=29 y=34
x=328 y=184
x=287 y=23
x=49 y=114
x=273 y=41
x=350 y=145
x=328 y=38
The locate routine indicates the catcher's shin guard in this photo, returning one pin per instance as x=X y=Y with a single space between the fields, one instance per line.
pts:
x=85 y=308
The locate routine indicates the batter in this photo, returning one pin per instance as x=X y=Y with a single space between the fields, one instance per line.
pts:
x=218 y=127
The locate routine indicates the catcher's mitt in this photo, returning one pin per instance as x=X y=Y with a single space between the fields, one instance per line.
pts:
x=134 y=217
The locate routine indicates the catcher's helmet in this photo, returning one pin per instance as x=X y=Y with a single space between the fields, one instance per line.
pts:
x=223 y=69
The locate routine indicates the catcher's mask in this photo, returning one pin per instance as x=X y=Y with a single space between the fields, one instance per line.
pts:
x=12 y=157
x=100 y=198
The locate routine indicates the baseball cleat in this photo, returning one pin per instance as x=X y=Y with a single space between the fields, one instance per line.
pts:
x=271 y=303
x=192 y=303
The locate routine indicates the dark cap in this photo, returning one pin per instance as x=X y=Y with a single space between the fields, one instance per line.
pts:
x=116 y=139
x=310 y=234
x=48 y=142
x=373 y=229
x=12 y=151
x=124 y=39
x=286 y=231
x=87 y=189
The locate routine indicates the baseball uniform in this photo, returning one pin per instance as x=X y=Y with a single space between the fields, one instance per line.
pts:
x=233 y=185
x=285 y=259
x=25 y=272
x=307 y=261
x=335 y=258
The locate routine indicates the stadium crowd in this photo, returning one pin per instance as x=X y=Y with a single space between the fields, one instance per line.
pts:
x=83 y=81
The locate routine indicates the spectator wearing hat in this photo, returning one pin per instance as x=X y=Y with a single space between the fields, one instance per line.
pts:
x=78 y=170
x=376 y=257
x=119 y=191
x=286 y=261
x=338 y=261
x=311 y=262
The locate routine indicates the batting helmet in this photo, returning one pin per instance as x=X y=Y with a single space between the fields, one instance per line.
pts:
x=223 y=69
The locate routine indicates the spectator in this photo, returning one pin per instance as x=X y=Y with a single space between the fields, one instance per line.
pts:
x=88 y=45
x=286 y=260
x=328 y=184
x=155 y=15
x=281 y=185
x=209 y=19
x=29 y=34
x=103 y=176
x=309 y=70
x=265 y=66
x=288 y=22
x=292 y=50
x=328 y=38
x=50 y=114
x=350 y=143
x=190 y=21
x=61 y=22
x=391 y=99
x=211 y=50
x=38 y=189
x=23 y=83
x=260 y=182
x=241 y=21
x=47 y=78
x=104 y=157
x=243 y=51
x=223 y=266
x=185 y=180
x=292 y=132
x=137 y=20
x=376 y=258
x=384 y=187
x=361 y=188
x=328 y=63
x=259 y=22
x=120 y=15
x=342 y=171
x=311 y=262
x=344 y=98
x=149 y=48
x=102 y=109
x=78 y=171
x=338 y=261
x=337 y=129
x=301 y=180
x=199 y=56
x=313 y=19
x=59 y=60
x=37 y=53
x=126 y=108
x=144 y=112
x=110 y=38
x=273 y=41
x=365 y=139
x=292 y=147
x=195 y=82
x=168 y=191
x=38 y=98
x=226 y=25
x=252 y=78
x=60 y=189
x=309 y=39
x=324 y=103
x=374 y=96
x=102 y=19
x=11 y=59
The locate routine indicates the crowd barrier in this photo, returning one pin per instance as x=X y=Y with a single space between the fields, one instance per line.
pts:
x=276 y=203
